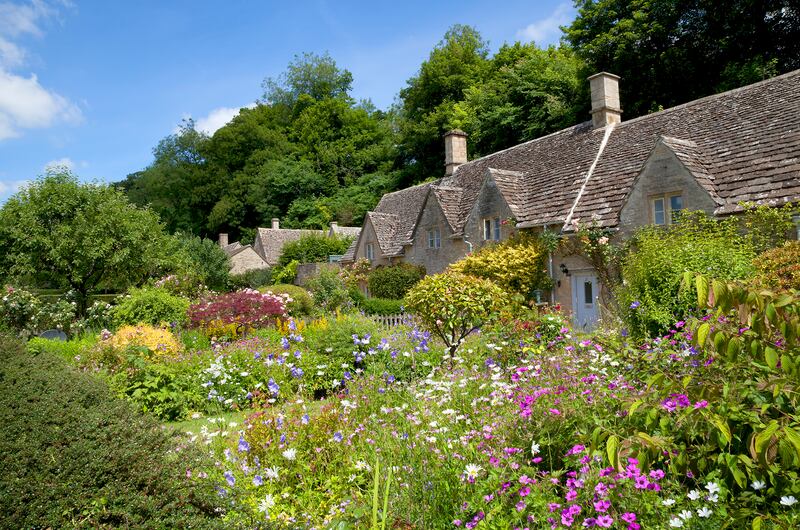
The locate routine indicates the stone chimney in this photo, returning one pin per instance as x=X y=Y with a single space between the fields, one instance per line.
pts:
x=334 y=227
x=605 y=99
x=276 y=224
x=455 y=150
x=223 y=240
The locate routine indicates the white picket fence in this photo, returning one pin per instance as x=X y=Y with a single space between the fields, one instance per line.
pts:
x=390 y=321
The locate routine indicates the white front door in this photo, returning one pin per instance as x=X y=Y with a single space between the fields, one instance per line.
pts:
x=584 y=300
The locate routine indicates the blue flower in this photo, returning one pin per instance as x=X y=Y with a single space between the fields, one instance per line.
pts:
x=635 y=304
x=304 y=420
x=285 y=343
x=243 y=445
x=337 y=436
x=273 y=387
x=258 y=481
x=230 y=478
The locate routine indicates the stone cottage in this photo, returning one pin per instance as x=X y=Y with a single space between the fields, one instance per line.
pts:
x=709 y=154
x=269 y=242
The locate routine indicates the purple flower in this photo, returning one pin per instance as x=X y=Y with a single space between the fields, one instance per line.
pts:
x=337 y=436
x=634 y=305
x=605 y=521
x=628 y=517
x=243 y=445
x=257 y=480
x=230 y=478
x=273 y=387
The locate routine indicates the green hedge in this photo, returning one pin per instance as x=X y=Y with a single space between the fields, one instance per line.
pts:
x=152 y=306
x=381 y=306
x=395 y=281
x=74 y=456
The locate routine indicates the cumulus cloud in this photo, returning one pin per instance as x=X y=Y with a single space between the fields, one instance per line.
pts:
x=215 y=119
x=65 y=163
x=547 y=30
x=24 y=102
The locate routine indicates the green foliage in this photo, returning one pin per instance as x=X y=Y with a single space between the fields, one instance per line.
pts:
x=452 y=305
x=150 y=305
x=779 y=268
x=669 y=52
x=66 y=349
x=302 y=304
x=309 y=74
x=205 y=260
x=329 y=290
x=650 y=297
x=517 y=265
x=394 y=282
x=255 y=278
x=313 y=248
x=81 y=236
x=380 y=306
x=767 y=226
x=286 y=274
x=74 y=456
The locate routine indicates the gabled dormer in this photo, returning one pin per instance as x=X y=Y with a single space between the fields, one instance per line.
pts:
x=674 y=177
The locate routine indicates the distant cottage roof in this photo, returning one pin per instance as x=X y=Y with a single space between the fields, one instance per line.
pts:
x=270 y=241
x=741 y=145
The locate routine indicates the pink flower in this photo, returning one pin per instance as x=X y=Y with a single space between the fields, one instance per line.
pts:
x=602 y=506
x=605 y=521
x=520 y=506
x=524 y=492
x=628 y=517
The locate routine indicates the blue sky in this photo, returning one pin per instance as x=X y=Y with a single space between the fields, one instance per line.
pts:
x=95 y=85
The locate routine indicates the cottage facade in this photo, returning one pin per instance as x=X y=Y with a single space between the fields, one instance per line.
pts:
x=710 y=154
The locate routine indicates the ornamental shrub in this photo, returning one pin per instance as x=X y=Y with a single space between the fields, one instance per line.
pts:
x=75 y=456
x=313 y=248
x=253 y=279
x=517 y=265
x=158 y=341
x=329 y=290
x=242 y=310
x=152 y=306
x=451 y=305
x=650 y=298
x=381 y=306
x=394 y=282
x=779 y=268
x=299 y=302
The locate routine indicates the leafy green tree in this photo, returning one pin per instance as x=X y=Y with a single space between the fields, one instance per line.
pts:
x=308 y=74
x=528 y=92
x=82 y=236
x=205 y=260
x=672 y=51
x=313 y=248
x=455 y=64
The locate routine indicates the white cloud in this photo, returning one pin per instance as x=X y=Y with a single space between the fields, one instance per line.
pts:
x=216 y=119
x=12 y=186
x=60 y=163
x=547 y=30
x=25 y=104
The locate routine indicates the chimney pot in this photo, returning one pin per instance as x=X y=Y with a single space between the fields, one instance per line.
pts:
x=455 y=150
x=276 y=223
x=223 y=240
x=605 y=99
x=334 y=227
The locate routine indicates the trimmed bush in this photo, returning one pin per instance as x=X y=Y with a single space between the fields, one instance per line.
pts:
x=329 y=290
x=517 y=265
x=252 y=279
x=395 y=281
x=381 y=306
x=779 y=268
x=74 y=456
x=150 y=306
x=301 y=304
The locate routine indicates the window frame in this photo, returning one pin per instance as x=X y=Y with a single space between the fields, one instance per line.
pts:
x=491 y=229
x=668 y=212
x=369 y=251
x=434 y=238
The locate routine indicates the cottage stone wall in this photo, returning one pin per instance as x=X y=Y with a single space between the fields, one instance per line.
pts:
x=435 y=260
x=246 y=260
x=662 y=174
x=306 y=271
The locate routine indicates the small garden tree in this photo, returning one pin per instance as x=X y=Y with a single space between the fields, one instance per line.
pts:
x=78 y=235
x=451 y=305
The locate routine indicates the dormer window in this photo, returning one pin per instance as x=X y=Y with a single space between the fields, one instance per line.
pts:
x=665 y=208
x=434 y=238
x=491 y=229
x=369 y=250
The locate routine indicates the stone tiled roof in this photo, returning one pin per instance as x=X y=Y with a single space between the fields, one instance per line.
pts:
x=232 y=249
x=748 y=140
x=387 y=226
x=347 y=231
x=272 y=241
x=350 y=254
x=449 y=199
x=741 y=145
x=405 y=205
